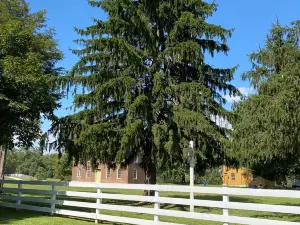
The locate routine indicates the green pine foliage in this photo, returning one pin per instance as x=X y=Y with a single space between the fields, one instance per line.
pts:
x=145 y=88
x=267 y=125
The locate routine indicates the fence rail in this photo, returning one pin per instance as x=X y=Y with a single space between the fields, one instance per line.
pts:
x=226 y=205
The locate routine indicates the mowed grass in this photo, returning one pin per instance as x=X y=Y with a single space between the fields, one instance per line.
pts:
x=22 y=217
x=11 y=216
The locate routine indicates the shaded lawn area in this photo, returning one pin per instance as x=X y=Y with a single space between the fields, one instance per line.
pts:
x=26 y=217
x=22 y=217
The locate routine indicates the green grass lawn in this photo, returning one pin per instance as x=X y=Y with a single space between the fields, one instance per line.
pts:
x=14 y=217
x=11 y=216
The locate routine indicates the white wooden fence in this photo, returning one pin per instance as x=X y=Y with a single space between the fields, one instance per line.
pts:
x=17 y=175
x=156 y=211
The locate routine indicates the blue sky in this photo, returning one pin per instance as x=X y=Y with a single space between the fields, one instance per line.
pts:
x=251 y=20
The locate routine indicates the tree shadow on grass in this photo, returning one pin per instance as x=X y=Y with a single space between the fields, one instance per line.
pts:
x=9 y=215
x=12 y=216
x=277 y=216
x=214 y=198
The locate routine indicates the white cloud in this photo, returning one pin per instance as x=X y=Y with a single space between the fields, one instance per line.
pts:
x=16 y=139
x=51 y=138
x=221 y=121
x=246 y=91
x=232 y=99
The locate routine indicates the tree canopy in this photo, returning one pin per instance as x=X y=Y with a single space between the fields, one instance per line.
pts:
x=28 y=54
x=267 y=124
x=32 y=163
x=146 y=88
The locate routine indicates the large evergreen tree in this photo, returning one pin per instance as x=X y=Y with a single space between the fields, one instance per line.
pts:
x=266 y=133
x=28 y=54
x=146 y=88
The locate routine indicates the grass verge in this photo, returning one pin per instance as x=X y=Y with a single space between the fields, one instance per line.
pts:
x=11 y=216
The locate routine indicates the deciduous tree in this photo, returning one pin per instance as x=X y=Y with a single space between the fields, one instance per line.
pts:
x=28 y=54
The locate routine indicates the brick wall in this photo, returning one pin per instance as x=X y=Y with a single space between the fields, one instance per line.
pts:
x=83 y=176
x=126 y=174
x=140 y=174
x=113 y=175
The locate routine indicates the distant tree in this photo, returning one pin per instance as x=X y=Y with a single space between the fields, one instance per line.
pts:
x=267 y=125
x=12 y=162
x=31 y=162
x=212 y=176
x=175 y=174
x=41 y=173
x=147 y=89
x=28 y=54
x=63 y=168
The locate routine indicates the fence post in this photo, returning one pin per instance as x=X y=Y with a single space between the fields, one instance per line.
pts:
x=156 y=204
x=99 y=201
x=225 y=201
x=192 y=175
x=192 y=207
x=19 y=193
x=53 y=199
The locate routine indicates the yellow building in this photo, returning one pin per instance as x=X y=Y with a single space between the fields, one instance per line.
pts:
x=243 y=178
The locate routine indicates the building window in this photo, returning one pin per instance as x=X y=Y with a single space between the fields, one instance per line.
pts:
x=78 y=172
x=233 y=176
x=88 y=172
x=118 y=173
x=107 y=172
x=134 y=174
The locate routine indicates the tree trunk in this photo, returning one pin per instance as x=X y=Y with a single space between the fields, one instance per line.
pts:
x=3 y=152
x=183 y=181
x=150 y=177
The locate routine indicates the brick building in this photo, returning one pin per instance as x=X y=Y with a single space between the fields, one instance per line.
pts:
x=133 y=174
